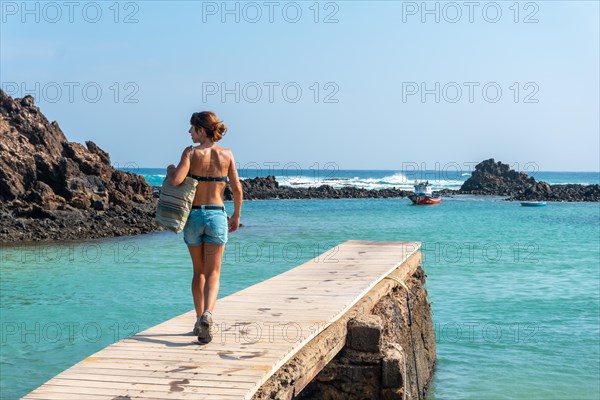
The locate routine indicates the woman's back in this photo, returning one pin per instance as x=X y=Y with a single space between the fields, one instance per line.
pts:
x=211 y=162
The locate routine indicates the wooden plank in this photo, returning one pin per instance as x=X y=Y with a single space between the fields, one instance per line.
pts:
x=151 y=368
x=257 y=330
x=240 y=348
x=133 y=354
x=166 y=364
x=189 y=385
x=248 y=364
x=68 y=396
x=195 y=380
x=50 y=389
x=137 y=374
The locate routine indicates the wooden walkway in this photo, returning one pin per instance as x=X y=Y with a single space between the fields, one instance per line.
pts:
x=256 y=331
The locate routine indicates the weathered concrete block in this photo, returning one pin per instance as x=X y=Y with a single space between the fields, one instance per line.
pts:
x=392 y=394
x=364 y=333
x=392 y=369
x=365 y=374
x=350 y=382
x=351 y=356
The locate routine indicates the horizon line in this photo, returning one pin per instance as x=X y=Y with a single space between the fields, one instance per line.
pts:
x=377 y=169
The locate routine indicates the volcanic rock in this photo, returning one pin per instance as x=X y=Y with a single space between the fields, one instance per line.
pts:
x=496 y=178
x=53 y=189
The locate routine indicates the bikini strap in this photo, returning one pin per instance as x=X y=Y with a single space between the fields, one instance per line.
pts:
x=210 y=178
x=191 y=154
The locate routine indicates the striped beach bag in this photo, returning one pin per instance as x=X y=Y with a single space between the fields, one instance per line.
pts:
x=175 y=203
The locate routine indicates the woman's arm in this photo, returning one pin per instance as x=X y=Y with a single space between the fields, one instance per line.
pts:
x=236 y=190
x=177 y=174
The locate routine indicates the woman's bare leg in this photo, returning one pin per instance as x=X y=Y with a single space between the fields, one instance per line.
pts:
x=213 y=256
x=198 y=281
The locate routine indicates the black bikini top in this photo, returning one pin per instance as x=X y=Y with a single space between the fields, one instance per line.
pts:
x=204 y=178
x=210 y=178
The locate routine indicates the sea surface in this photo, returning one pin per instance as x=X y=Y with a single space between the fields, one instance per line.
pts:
x=515 y=291
x=446 y=177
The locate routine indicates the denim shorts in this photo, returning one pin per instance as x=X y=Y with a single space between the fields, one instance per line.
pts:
x=205 y=226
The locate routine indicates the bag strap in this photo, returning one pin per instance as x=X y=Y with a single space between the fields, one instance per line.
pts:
x=191 y=154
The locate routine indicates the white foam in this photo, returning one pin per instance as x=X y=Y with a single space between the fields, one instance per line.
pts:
x=398 y=181
x=398 y=177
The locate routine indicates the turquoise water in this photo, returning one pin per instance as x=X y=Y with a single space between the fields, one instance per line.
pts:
x=515 y=291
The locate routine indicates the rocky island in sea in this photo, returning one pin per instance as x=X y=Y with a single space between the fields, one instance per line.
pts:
x=489 y=178
x=498 y=179
x=54 y=189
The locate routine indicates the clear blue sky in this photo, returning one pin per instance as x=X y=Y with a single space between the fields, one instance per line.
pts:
x=374 y=58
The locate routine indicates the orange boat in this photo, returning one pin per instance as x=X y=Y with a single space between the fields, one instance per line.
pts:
x=423 y=195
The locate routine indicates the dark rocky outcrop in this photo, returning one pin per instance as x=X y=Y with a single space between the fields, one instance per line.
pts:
x=269 y=188
x=494 y=178
x=53 y=189
x=571 y=193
